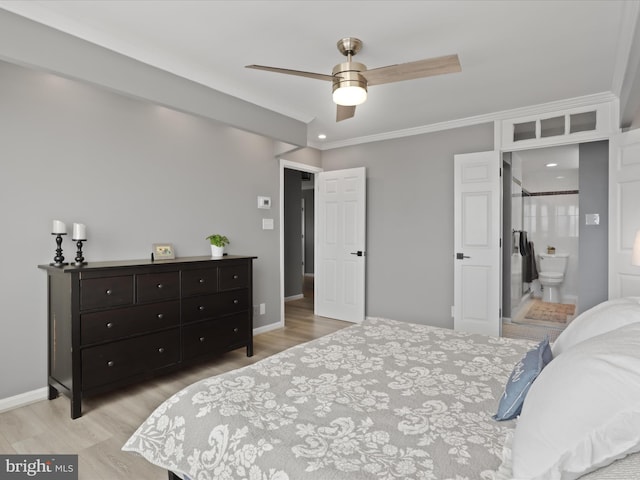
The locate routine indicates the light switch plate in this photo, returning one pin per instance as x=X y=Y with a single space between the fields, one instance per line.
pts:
x=267 y=223
x=592 y=219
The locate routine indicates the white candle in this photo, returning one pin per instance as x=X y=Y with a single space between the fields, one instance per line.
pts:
x=79 y=231
x=58 y=227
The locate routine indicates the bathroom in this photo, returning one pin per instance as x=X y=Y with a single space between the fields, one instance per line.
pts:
x=555 y=202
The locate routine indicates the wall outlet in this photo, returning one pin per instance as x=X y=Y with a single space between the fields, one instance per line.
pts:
x=263 y=309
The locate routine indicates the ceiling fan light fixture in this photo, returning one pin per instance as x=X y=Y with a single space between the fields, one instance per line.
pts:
x=349 y=87
x=350 y=95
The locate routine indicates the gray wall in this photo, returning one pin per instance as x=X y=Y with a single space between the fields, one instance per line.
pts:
x=135 y=174
x=594 y=239
x=410 y=220
x=309 y=156
x=292 y=233
x=23 y=42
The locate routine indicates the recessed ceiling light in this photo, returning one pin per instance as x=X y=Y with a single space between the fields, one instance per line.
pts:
x=559 y=177
x=322 y=136
x=552 y=164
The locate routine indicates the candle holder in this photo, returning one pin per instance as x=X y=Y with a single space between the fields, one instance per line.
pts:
x=58 y=260
x=79 y=258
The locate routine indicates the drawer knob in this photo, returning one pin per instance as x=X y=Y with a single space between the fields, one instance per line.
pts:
x=235 y=301
x=160 y=316
x=110 y=325
x=161 y=350
x=109 y=292
x=201 y=308
x=202 y=339
x=160 y=285
x=235 y=330
x=201 y=280
x=235 y=277
x=110 y=363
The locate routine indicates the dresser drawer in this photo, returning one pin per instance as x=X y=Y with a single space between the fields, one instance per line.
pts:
x=154 y=287
x=199 y=282
x=115 y=361
x=232 y=277
x=99 y=327
x=215 y=336
x=106 y=292
x=212 y=306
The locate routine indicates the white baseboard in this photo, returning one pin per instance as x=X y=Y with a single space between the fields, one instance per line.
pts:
x=268 y=328
x=23 y=399
x=294 y=297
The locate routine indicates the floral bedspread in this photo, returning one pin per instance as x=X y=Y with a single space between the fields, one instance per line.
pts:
x=380 y=400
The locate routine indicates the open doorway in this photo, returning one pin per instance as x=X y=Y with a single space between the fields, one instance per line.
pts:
x=297 y=239
x=298 y=219
x=555 y=232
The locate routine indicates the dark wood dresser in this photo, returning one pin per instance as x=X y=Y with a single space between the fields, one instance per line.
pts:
x=120 y=322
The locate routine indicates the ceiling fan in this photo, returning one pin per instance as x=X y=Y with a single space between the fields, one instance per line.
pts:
x=351 y=79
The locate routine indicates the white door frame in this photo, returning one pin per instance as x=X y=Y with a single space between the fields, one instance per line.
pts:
x=502 y=149
x=302 y=167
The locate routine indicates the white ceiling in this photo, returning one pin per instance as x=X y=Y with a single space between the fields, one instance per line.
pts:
x=513 y=53
x=549 y=169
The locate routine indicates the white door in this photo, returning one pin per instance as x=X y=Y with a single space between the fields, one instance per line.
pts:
x=340 y=244
x=624 y=213
x=477 y=207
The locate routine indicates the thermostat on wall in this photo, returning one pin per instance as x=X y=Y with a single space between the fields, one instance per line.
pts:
x=264 y=202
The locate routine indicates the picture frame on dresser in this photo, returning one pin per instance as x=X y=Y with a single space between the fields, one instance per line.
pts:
x=116 y=323
x=163 y=251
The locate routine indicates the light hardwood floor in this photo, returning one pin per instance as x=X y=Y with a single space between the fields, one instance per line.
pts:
x=108 y=420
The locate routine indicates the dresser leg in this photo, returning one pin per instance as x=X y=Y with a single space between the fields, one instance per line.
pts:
x=53 y=392
x=250 y=349
x=76 y=406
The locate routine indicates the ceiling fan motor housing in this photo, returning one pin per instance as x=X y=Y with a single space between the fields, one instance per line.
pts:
x=347 y=76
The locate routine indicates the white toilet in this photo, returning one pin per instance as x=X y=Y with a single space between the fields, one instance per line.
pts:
x=551 y=275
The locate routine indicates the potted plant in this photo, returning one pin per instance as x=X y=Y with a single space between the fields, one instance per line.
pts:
x=217 y=244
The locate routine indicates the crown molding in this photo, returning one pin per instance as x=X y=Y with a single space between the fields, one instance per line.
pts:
x=475 y=120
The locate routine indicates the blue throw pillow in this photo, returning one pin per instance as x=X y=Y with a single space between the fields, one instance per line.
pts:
x=522 y=376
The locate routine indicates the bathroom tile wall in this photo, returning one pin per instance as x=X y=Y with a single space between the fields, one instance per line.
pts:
x=552 y=220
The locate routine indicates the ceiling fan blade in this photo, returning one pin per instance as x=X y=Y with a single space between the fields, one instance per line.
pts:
x=413 y=70
x=343 y=112
x=299 y=73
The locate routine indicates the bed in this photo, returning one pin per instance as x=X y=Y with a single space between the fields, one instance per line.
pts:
x=379 y=400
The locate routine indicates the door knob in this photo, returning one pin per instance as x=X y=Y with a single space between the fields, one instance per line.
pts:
x=359 y=253
x=460 y=256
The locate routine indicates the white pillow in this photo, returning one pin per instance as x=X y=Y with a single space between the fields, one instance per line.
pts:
x=600 y=319
x=583 y=410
